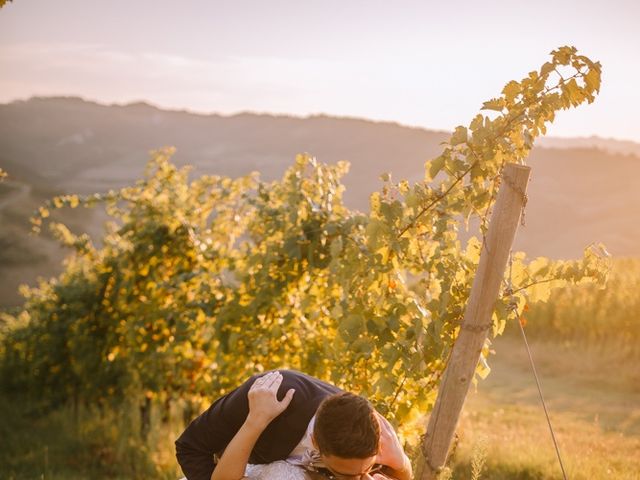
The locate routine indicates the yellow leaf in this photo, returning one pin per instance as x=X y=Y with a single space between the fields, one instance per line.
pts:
x=459 y=135
x=384 y=252
x=511 y=90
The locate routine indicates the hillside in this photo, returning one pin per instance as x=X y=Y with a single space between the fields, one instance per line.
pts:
x=582 y=190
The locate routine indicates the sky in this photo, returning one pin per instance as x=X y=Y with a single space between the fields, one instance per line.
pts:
x=421 y=63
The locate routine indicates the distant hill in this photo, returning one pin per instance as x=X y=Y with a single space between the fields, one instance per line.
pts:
x=582 y=190
x=609 y=145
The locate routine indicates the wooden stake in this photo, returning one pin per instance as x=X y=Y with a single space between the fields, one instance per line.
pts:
x=465 y=355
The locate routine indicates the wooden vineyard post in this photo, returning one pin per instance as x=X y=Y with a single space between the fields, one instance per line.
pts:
x=465 y=355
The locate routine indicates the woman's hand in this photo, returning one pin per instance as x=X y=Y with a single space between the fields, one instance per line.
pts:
x=263 y=407
x=263 y=402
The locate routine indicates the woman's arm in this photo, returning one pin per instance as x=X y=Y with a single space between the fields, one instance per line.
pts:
x=263 y=408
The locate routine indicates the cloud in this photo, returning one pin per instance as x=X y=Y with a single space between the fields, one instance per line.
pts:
x=220 y=84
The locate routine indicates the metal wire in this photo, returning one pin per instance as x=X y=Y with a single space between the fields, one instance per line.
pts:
x=535 y=375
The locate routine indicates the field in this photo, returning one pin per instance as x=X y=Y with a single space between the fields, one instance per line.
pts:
x=593 y=396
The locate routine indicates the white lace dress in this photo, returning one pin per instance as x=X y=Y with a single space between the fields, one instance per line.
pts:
x=280 y=470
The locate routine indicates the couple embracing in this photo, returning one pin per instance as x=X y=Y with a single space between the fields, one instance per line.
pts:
x=295 y=421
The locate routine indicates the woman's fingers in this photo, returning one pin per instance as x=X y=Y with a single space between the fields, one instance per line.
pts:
x=274 y=382
x=270 y=378
x=271 y=382
x=265 y=380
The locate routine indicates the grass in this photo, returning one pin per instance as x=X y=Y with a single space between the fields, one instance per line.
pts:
x=594 y=402
x=55 y=446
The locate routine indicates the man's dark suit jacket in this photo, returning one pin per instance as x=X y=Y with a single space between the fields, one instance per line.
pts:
x=212 y=431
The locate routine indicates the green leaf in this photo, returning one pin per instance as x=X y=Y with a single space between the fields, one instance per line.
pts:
x=433 y=167
x=352 y=323
x=336 y=247
x=459 y=136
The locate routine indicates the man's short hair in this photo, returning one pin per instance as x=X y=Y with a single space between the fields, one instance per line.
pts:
x=346 y=426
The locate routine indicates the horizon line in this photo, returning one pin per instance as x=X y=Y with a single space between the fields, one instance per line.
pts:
x=204 y=113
